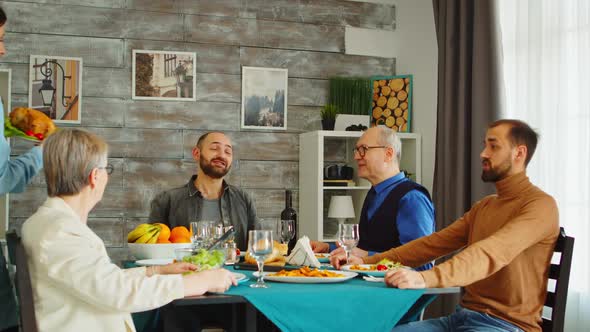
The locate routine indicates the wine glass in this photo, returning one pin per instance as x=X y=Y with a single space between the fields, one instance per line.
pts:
x=271 y=224
x=260 y=246
x=348 y=237
x=287 y=230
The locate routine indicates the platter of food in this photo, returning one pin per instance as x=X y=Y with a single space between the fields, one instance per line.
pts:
x=305 y=275
x=28 y=124
x=375 y=270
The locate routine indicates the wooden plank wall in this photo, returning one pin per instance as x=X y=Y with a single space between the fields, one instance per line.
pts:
x=150 y=142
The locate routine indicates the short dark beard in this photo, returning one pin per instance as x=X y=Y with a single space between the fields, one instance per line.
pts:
x=211 y=171
x=498 y=173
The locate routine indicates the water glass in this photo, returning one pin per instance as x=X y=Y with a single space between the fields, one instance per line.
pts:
x=348 y=237
x=199 y=234
x=216 y=231
x=260 y=246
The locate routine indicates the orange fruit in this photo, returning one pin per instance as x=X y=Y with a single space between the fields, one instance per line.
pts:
x=180 y=234
x=180 y=231
x=164 y=232
x=180 y=239
x=163 y=241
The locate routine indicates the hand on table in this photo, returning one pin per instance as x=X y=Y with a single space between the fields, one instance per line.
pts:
x=320 y=247
x=340 y=259
x=214 y=281
x=176 y=268
x=404 y=278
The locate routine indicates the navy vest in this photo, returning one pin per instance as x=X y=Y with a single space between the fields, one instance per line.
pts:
x=381 y=233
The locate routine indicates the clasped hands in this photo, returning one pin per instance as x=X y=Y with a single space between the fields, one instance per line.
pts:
x=399 y=278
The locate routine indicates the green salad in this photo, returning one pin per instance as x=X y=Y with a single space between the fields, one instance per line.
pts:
x=12 y=131
x=206 y=260
x=389 y=264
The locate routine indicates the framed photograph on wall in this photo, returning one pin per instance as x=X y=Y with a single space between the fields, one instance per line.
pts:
x=55 y=87
x=164 y=75
x=391 y=103
x=264 y=98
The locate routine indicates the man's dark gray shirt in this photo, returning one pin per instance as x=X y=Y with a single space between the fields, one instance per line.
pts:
x=180 y=206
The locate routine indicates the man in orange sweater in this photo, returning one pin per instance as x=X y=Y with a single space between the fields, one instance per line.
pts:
x=507 y=241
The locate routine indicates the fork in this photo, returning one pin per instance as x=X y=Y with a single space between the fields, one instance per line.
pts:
x=371 y=278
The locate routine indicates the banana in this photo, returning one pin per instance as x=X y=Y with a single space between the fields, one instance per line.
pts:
x=147 y=236
x=139 y=231
x=154 y=238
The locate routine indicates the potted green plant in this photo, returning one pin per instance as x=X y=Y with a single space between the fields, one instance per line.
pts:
x=328 y=115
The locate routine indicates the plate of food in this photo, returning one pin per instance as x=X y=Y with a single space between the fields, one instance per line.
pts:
x=375 y=270
x=305 y=275
x=28 y=124
x=323 y=257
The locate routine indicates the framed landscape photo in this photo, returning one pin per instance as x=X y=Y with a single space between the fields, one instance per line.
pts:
x=391 y=103
x=264 y=98
x=55 y=87
x=164 y=75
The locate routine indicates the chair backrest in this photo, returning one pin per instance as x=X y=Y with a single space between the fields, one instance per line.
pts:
x=559 y=272
x=28 y=320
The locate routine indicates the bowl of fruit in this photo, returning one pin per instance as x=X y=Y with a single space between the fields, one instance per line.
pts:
x=152 y=241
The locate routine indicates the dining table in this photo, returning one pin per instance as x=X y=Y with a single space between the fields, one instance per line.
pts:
x=352 y=305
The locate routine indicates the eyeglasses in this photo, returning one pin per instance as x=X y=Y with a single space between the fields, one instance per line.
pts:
x=362 y=150
x=109 y=168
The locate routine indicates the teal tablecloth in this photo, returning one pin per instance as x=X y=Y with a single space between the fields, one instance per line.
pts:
x=354 y=305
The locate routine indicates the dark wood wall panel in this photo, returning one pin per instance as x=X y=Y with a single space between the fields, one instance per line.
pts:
x=151 y=142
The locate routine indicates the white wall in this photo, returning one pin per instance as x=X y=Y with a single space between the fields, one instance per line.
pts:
x=414 y=46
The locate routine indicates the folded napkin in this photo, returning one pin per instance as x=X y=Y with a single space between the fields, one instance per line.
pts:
x=302 y=254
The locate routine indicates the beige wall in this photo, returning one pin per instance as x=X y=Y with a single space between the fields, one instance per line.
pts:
x=413 y=45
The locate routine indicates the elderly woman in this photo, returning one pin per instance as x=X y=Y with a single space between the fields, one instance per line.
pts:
x=75 y=285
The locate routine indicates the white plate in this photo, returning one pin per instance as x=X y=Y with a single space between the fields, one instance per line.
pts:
x=323 y=257
x=240 y=277
x=155 y=261
x=309 y=280
x=369 y=273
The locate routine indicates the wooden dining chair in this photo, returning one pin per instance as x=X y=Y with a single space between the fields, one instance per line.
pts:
x=560 y=272
x=28 y=319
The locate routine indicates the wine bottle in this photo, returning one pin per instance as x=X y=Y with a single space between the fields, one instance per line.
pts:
x=289 y=214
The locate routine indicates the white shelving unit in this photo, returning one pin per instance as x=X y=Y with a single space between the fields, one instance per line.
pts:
x=314 y=198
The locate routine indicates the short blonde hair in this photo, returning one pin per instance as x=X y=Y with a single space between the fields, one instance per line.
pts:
x=69 y=156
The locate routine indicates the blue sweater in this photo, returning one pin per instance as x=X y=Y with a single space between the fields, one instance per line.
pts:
x=16 y=173
x=415 y=215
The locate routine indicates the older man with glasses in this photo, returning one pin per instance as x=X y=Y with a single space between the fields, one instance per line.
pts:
x=396 y=209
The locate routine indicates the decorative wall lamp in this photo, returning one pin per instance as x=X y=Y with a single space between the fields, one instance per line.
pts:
x=47 y=90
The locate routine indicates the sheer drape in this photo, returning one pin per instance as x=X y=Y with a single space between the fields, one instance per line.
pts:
x=546 y=51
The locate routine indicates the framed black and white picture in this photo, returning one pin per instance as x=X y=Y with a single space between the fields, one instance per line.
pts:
x=264 y=98
x=55 y=87
x=164 y=75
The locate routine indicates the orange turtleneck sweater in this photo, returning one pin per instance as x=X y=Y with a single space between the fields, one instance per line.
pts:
x=507 y=242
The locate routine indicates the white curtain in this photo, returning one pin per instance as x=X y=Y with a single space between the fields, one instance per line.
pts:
x=546 y=64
